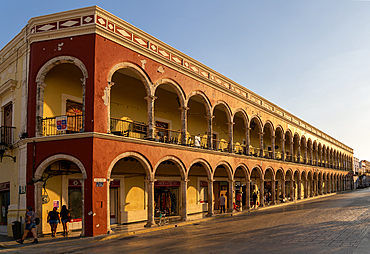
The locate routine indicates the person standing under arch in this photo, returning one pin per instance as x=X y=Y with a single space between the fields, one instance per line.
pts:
x=53 y=219
x=65 y=216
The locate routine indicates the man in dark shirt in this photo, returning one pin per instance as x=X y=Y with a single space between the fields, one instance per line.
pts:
x=53 y=219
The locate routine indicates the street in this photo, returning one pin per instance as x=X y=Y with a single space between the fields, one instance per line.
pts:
x=334 y=224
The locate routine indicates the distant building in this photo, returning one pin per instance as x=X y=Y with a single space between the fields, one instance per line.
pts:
x=356 y=165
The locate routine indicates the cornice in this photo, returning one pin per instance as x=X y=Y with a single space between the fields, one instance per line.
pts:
x=7 y=87
x=77 y=22
x=159 y=144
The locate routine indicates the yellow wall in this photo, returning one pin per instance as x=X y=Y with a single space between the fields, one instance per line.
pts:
x=192 y=194
x=135 y=193
x=64 y=78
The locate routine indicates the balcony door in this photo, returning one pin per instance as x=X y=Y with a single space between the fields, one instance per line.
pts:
x=8 y=115
x=6 y=136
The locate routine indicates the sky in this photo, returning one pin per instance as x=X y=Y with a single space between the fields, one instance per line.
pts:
x=309 y=57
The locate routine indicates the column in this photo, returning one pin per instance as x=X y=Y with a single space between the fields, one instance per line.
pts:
x=292 y=192
x=305 y=154
x=210 y=132
x=283 y=188
x=273 y=194
x=299 y=153
x=283 y=149
x=291 y=150
x=107 y=103
x=150 y=99
x=231 y=136
x=261 y=143
x=150 y=191
x=248 y=197
x=326 y=186
x=311 y=189
x=262 y=193
x=247 y=141
x=321 y=189
x=184 y=201
x=210 y=198
x=184 y=124
x=277 y=199
x=299 y=189
x=38 y=206
x=305 y=188
x=273 y=147
x=39 y=108
x=230 y=198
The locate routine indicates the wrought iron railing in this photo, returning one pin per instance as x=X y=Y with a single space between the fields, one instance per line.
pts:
x=50 y=128
x=7 y=135
x=128 y=128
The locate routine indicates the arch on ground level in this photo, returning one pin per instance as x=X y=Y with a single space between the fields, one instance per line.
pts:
x=176 y=161
x=205 y=164
x=227 y=167
x=288 y=171
x=203 y=97
x=258 y=169
x=245 y=170
x=178 y=89
x=143 y=161
x=271 y=171
x=140 y=72
x=38 y=185
x=40 y=169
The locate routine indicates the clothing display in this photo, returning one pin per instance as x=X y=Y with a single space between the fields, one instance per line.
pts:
x=166 y=201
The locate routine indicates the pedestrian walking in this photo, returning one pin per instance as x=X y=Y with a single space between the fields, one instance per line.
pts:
x=222 y=203
x=254 y=197
x=65 y=216
x=30 y=220
x=239 y=199
x=53 y=219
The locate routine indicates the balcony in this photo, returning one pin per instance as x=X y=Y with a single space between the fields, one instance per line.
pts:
x=50 y=125
x=7 y=135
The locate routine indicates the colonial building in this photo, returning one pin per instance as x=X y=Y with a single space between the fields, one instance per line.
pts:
x=114 y=123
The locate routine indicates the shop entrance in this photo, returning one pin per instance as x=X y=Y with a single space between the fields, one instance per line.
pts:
x=114 y=200
x=166 y=197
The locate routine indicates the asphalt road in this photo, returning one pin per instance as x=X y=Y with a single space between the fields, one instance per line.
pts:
x=335 y=224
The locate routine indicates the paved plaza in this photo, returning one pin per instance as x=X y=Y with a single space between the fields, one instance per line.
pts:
x=334 y=224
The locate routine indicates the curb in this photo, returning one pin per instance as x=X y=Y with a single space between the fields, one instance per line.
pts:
x=159 y=228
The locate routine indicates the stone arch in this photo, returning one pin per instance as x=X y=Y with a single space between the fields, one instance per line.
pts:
x=259 y=122
x=228 y=169
x=143 y=161
x=205 y=164
x=225 y=106
x=244 y=114
x=203 y=97
x=140 y=72
x=271 y=126
x=245 y=170
x=40 y=77
x=273 y=173
x=177 y=162
x=178 y=89
x=40 y=169
x=259 y=170
x=39 y=184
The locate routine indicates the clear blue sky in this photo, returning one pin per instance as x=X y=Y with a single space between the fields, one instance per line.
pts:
x=310 y=57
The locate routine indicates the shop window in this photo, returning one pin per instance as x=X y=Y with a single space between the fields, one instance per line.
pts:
x=203 y=192
x=75 y=199
x=4 y=202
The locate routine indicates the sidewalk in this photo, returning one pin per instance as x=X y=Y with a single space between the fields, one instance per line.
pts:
x=121 y=231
